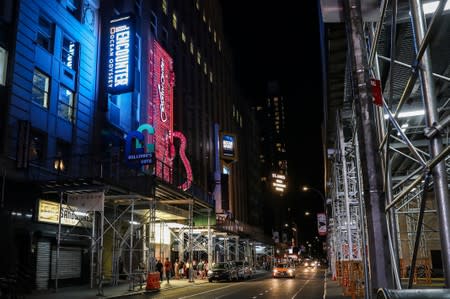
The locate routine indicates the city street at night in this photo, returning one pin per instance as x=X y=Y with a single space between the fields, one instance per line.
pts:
x=307 y=284
x=240 y=149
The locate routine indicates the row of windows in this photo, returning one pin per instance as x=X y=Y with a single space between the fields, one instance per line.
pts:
x=45 y=39
x=165 y=38
x=37 y=151
x=40 y=95
x=69 y=57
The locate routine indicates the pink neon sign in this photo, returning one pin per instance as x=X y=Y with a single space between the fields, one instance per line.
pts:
x=160 y=115
x=184 y=159
x=161 y=108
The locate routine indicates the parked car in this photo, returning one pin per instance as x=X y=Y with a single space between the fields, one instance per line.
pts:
x=283 y=270
x=222 y=271
x=244 y=270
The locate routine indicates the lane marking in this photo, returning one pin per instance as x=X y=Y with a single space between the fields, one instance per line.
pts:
x=325 y=286
x=301 y=288
x=209 y=291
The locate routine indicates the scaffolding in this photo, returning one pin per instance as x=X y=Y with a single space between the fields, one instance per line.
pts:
x=406 y=50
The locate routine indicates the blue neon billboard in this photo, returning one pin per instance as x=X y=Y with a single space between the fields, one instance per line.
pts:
x=120 y=55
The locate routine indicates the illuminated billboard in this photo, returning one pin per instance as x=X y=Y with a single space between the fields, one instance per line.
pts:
x=228 y=147
x=120 y=55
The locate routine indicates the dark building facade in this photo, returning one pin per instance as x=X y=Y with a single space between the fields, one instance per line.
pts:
x=271 y=115
x=81 y=84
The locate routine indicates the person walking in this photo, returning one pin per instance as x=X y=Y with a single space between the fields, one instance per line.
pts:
x=159 y=268
x=167 y=268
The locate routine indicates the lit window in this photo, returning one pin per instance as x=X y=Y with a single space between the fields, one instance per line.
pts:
x=38 y=142
x=69 y=53
x=41 y=87
x=174 y=21
x=164 y=6
x=3 y=65
x=199 y=57
x=63 y=150
x=45 y=33
x=66 y=104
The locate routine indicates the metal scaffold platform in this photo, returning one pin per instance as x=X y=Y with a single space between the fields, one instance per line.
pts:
x=387 y=150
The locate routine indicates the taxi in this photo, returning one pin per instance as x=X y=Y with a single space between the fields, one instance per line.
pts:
x=283 y=270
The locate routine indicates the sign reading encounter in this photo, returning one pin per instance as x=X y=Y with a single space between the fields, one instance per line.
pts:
x=120 y=55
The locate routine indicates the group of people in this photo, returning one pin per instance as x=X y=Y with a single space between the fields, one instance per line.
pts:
x=164 y=268
x=181 y=269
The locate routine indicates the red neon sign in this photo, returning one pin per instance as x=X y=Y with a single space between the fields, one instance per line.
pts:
x=160 y=115
x=161 y=108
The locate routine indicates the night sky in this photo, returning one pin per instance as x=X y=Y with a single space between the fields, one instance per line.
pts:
x=280 y=40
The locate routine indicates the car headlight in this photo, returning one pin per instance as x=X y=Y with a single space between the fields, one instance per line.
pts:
x=306 y=264
x=210 y=272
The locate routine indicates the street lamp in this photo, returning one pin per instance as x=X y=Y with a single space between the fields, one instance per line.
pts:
x=306 y=189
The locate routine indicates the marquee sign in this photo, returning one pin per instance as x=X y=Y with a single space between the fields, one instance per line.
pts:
x=50 y=212
x=120 y=55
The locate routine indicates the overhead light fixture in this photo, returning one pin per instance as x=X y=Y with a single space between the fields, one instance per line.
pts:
x=431 y=7
x=408 y=114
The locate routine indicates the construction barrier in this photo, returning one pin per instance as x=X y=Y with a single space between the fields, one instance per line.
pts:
x=153 y=281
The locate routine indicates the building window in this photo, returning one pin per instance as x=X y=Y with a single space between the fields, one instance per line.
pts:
x=164 y=37
x=174 y=20
x=66 y=103
x=45 y=33
x=38 y=143
x=69 y=53
x=164 y=6
x=74 y=8
x=62 y=158
x=41 y=88
x=199 y=57
x=3 y=65
x=154 y=24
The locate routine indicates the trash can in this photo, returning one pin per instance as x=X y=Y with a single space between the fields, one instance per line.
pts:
x=152 y=281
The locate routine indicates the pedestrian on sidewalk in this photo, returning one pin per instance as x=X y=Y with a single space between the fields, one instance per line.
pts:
x=167 y=268
x=159 y=268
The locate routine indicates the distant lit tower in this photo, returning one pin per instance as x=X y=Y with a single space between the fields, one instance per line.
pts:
x=272 y=119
